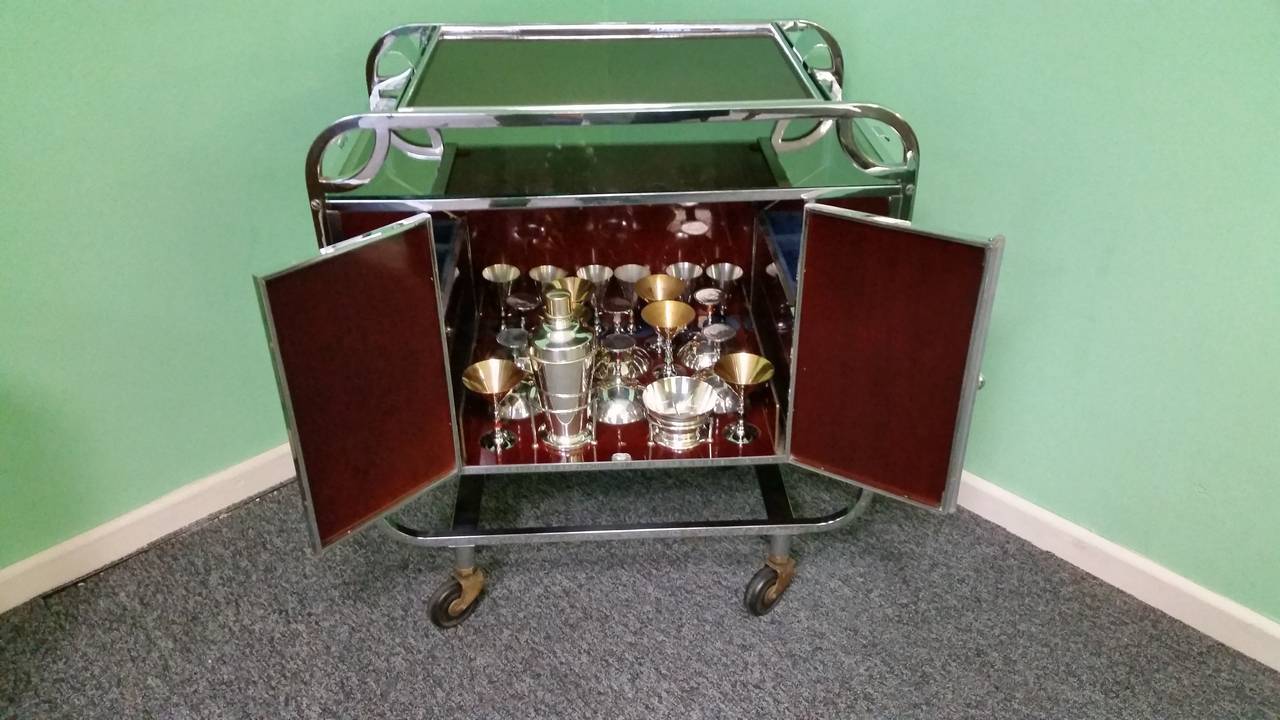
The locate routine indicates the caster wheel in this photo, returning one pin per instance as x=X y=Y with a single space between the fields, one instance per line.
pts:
x=443 y=611
x=762 y=592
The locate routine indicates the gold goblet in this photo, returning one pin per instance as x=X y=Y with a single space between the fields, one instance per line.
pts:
x=493 y=379
x=579 y=290
x=667 y=317
x=658 y=287
x=743 y=370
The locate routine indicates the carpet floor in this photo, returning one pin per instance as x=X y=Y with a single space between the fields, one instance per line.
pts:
x=905 y=614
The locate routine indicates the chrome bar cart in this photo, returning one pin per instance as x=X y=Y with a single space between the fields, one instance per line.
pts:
x=603 y=146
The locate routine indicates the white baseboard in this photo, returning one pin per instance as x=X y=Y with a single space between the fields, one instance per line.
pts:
x=95 y=549
x=1222 y=619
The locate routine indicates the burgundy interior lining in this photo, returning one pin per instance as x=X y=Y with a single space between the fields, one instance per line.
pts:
x=884 y=330
x=358 y=335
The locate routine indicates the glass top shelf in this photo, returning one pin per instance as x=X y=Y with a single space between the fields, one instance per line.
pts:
x=479 y=66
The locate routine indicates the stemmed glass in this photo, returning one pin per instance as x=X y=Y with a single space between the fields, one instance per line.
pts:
x=544 y=275
x=598 y=276
x=667 y=317
x=492 y=379
x=710 y=299
x=743 y=371
x=723 y=275
x=501 y=276
x=627 y=277
x=687 y=273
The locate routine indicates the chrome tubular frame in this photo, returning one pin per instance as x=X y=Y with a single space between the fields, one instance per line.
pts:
x=386 y=126
x=389 y=121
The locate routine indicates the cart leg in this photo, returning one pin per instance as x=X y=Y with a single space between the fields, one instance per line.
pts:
x=455 y=600
x=772 y=580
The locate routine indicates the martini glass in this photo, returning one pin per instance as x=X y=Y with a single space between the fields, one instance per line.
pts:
x=723 y=275
x=743 y=371
x=492 y=379
x=667 y=317
x=658 y=287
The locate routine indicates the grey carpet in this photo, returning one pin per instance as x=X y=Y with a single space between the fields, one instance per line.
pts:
x=906 y=615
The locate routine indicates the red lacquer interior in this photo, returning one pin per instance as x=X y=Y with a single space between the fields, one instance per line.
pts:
x=358 y=337
x=885 y=319
x=613 y=236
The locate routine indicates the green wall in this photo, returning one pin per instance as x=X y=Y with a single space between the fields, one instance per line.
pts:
x=1127 y=150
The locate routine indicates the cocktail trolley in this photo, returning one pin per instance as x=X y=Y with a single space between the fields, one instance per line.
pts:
x=553 y=248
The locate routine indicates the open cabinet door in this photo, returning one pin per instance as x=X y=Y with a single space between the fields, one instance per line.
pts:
x=890 y=326
x=358 y=344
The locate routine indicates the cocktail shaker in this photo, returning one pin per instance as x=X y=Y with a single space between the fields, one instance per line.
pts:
x=563 y=354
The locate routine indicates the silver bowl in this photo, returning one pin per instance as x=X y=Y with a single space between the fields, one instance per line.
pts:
x=678 y=409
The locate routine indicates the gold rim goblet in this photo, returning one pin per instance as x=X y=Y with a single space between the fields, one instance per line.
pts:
x=492 y=379
x=743 y=371
x=667 y=317
x=659 y=287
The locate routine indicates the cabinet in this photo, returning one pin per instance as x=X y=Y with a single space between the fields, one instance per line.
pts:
x=874 y=327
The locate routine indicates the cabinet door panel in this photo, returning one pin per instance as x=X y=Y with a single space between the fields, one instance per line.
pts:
x=356 y=337
x=890 y=327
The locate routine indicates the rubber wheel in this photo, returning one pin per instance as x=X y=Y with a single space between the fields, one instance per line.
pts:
x=757 y=596
x=442 y=598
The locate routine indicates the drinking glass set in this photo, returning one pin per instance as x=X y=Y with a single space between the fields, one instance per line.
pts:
x=584 y=362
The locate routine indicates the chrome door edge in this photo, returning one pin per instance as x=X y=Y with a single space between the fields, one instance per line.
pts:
x=282 y=384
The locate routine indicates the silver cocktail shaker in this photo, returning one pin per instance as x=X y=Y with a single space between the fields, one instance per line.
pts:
x=563 y=354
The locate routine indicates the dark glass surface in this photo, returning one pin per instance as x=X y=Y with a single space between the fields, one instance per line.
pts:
x=496 y=171
x=506 y=72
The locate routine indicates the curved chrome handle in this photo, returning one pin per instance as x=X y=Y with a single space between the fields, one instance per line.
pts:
x=371 y=77
x=910 y=143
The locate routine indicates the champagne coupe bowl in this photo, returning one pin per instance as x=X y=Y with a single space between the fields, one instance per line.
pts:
x=743 y=371
x=667 y=317
x=492 y=379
